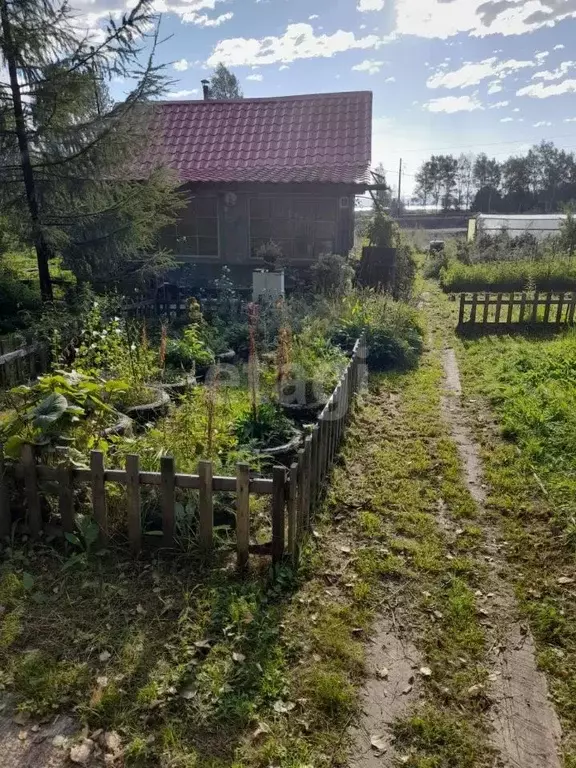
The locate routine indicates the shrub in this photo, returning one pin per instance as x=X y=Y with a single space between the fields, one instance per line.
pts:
x=268 y=427
x=189 y=351
x=506 y=276
x=393 y=333
x=17 y=301
x=332 y=275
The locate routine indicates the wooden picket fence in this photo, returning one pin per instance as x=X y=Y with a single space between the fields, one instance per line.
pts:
x=23 y=364
x=492 y=309
x=295 y=493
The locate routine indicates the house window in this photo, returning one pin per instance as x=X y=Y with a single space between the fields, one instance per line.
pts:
x=303 y=228
x=196 y=231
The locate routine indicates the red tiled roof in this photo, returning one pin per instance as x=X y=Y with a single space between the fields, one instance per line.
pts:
x=315 y=138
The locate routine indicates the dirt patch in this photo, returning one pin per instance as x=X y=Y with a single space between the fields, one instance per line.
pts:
x=391 y=687
x=527 y=731
x=32 y=746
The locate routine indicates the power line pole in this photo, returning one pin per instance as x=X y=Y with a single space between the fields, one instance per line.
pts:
x=399 y=186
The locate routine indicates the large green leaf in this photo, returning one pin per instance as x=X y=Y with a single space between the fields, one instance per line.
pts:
x=49 y=410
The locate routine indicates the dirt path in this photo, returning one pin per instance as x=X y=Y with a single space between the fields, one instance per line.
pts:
x=527 y=731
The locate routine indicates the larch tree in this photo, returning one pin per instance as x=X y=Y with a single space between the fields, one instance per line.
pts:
x=70 y=158
x=224 y=84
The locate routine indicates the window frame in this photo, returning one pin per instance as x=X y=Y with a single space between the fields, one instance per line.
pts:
x=198 y=237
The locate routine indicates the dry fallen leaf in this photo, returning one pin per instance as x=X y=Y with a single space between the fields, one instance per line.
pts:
x=425 y=671
x=104 y=656
x=379 y=744
x=23 y=735
x=346 y=550
x=283 y=706
x=382 y=673
x=239 y=657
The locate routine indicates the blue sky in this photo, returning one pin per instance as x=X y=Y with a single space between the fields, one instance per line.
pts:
x=447 y=75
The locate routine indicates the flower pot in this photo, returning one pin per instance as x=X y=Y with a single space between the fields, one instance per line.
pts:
x=283 y=454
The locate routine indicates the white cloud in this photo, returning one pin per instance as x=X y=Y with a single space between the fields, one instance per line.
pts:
x=370 y=5
x=507 y=120
x=283 y=67
x=369 y=65
x=499 y=105
x=181 y=65
x=559 y=47
x=472 y=73
x=542 y=123
x=516 y=109
x=390 y=80
x=202 y=20
x=541 y=55
x=314 y=16
x=190 y=11
x=297 y=42
x=555 y=74
x=181 y=94
x=452 y=104
x=541 y=91
x=443 y=19
x=256 y=78
x=570 y=119
x=494 y=87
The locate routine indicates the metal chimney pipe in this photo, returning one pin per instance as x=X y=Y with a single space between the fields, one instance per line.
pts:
x=206 y=89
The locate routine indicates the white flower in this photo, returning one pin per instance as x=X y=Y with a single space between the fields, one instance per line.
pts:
x=133 y=347
x=118 y=331
x=95 y=333
x=104 y=333
x=95 y=303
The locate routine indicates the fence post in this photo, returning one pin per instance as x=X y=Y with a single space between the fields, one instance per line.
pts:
x=31 y=490
x=560 y=309
x=314 y=468
x=99 y=492
x=168 y=489
x=5 y=516
x=65 y=498
x=242 y=513
x=473 y=308
x=572 y=309
x=535 y=306
x=306 y=481
x=511 y=298
x=498 y=307
x=133 y=502
x=486 y=309
x=206 y=505
x=278 y=512
x=522 y=308
x=547 y=307
x=461 y=311
x=294 y=531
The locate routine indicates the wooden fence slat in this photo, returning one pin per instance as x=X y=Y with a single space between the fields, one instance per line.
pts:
x=5 y=514
x=206 y=505
x=486 y=308
x=547 y=305
x=307 y=482
x=98 y=485
x=572 y=309
x=242 y=513
x=168 y=499
x=66 y=498
x=560 y=309
x=278 y=513
x=535 y=304
x=31 y=490
x=294 y=532
x=301 y=497
x=498 y=308
x=462 y=307
x=473 y=308
x=510 y=308
x=133 y=502
x=314 y=468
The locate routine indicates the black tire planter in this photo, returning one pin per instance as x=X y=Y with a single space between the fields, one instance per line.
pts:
x=122 y=427
x=226 y=357
x=142 y=414
x=178 y=387
x=282 y=454
x=303 y=413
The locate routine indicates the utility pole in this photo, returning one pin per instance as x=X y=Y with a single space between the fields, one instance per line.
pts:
x=399 y=186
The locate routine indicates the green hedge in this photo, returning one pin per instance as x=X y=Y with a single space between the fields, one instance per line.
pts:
x=508 y=276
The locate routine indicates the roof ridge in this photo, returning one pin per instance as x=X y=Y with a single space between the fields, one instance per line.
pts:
x=260 y=99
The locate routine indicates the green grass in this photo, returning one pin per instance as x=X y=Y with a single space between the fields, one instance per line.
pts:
x=557 y=275
x=521 y=391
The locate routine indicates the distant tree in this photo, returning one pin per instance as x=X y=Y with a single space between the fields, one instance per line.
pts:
x=517 y=182
x=464 y=181
x=224 y=84
x=486 y=172
x=63 y=141
x=487 y=200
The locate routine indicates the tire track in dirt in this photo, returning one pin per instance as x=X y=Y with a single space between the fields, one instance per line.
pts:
x=526 y=728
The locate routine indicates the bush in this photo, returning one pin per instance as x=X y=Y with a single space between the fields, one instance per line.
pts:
x=332 y=275
x=393 y=333
x=17 y=302
x=507 y=276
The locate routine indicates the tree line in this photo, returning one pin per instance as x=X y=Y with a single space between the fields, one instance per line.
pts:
x=541 y=181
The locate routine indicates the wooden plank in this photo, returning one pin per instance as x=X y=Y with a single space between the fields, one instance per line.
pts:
x=535 y=304
x=66 y=498
x=31 y=490
x=547 y=306
x=510 y=308
x=572 y=309
x=5 y=514
x=560 y=309
x=278 y=513
x=473 y=307
x=294 y=532
x=462 y=309
x=314 y=468
x=301 y=500
x=168 y=499
x=306 y=482
x=522 y=308
x=206 y=505
x=242 y=513
x=98 y=485
x=133 y=502
x=498 y=308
